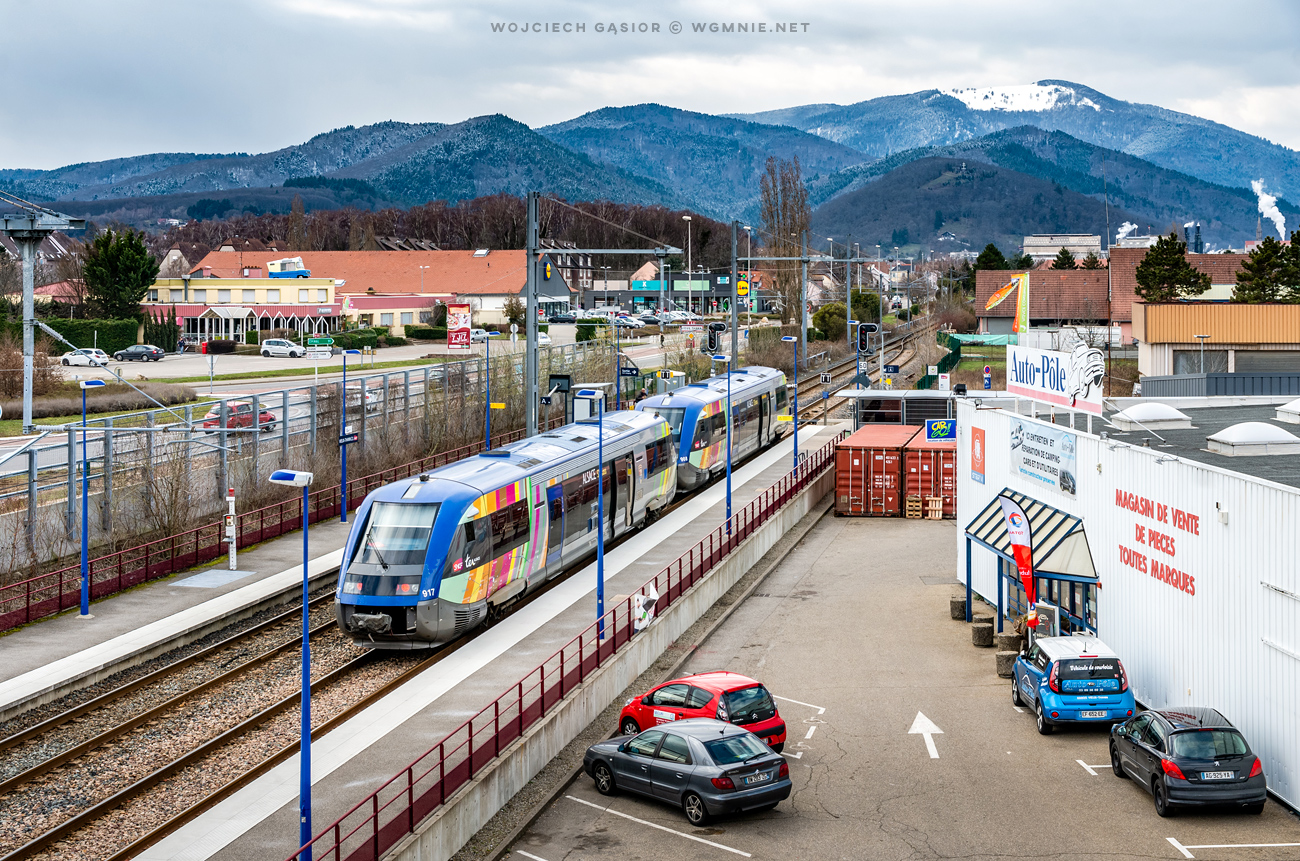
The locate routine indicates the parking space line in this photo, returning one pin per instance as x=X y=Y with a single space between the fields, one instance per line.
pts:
x=820 y=710
x=798 y=755
x=527 y=854
x=662 y=828
x=811 y=730
x=1091 y=769
x=1019 y=710
x=1187 y=854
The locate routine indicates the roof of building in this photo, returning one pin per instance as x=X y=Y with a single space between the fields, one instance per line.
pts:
x=1191 y=443
x=1054 y=294
x=64 y=291
x=449 y=272
x=1222 y=269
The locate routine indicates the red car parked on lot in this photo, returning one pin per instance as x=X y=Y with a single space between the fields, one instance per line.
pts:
x=239 y=414
x=723 y=695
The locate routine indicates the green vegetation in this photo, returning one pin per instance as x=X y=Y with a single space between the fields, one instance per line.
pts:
x=831 y=318
x=1064 y=260
x=1165 y=275
x=1271 y=273
x=353 y=362
x=118 y=271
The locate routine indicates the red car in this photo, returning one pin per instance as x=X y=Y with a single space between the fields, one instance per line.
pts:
x=239 y=414
x=720 y=694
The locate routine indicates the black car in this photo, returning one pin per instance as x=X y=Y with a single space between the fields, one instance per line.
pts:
x=565 y=317
x=707 y=767
x=1188 y=756
x=141 y=353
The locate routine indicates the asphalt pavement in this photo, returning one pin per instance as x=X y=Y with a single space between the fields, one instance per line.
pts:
x=852 y=634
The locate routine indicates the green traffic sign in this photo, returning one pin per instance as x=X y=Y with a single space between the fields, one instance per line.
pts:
x=320 y=342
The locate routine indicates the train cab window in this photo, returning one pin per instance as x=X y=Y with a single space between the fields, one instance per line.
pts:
x=509 y=528
x=674 y=416
x=396 y=534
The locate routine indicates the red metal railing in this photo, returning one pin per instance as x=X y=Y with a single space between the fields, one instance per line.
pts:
x=391 y=812
x=59 y=590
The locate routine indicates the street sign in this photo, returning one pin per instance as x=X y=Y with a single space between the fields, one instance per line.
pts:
x=932 y=370
x=825 y=395
x=785 y=418
x=346 y=438
x=988 y=381
x=742 y=288
x=940 y=429
x=664 y=375
x=320 y=342
x=943 y=382
x=320 y=353
x=498 y=406
x=546 y=400
x=826 y=379
x=987 y=370
x=889 y=382
x=891 y=369
x=629 y=372
x=692 y=330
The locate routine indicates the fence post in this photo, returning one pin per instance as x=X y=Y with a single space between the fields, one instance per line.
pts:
x=223 y=439
x=106 y=488
x=406 y=406
x=284 y=427
x=71 y=515
x=365 y=387
x=257 y=433
x=315 y=395
x=148 y=461
x=374 y=809
x=31 y=501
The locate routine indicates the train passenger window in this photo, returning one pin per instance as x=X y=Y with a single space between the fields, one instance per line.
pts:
x=579 y=499
x=556 y=535
x=658 y=456
x=475 y=535
x=781 y=398
x=509 y=528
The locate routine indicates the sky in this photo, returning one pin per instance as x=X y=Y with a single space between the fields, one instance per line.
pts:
x=109 y=80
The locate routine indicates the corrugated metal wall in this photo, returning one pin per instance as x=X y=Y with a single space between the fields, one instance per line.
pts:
x=1225 y=323
x=1234 y=645
x=1214 y=385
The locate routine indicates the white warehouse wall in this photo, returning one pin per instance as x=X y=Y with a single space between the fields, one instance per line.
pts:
x=1234 y=644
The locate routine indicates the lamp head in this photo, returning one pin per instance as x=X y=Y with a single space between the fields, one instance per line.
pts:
x=590 y=394
x=90 y=384
x=719 y=358
x=352 y=352
x=291 y=478
x=789 y=338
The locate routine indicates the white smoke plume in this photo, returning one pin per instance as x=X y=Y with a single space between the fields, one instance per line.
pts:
x=1268 y=208
x=1189 y=224
x=1124 y=230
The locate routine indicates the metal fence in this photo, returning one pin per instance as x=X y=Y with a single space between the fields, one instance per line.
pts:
x=391 y=812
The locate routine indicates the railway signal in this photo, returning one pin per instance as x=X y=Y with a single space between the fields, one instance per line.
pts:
x=715 y=330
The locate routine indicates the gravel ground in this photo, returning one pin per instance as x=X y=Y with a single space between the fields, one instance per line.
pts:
x=182 y=791
x=36 y=807
x=560 y=770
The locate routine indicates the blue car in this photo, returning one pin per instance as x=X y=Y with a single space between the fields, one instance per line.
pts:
x=1071 y=680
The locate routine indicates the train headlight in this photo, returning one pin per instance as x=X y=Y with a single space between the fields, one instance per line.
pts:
x=352 y=587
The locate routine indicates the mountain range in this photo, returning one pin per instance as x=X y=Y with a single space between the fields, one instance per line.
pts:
x=1153 y=165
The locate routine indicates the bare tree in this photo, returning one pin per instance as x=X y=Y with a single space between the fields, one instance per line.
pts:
x=785 y=215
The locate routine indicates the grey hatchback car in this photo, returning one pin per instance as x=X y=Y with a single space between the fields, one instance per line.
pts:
x=707 y=767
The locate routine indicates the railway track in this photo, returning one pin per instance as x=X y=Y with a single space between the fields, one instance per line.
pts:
x=897 y=352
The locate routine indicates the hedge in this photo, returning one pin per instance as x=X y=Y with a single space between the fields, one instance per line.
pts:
x=113 y=335
x=427 y=333
x=394 y=341
x=221 y=345
x=250 y=337
x=585 y=332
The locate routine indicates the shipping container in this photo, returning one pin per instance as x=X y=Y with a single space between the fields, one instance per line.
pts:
x=869 y=470
x=930 y=470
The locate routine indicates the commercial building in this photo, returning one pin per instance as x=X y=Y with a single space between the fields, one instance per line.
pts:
x=1045 y=246
x=1178 y=338
x=1181 y=559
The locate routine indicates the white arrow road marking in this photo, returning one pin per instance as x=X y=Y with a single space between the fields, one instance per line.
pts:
x=924 y=726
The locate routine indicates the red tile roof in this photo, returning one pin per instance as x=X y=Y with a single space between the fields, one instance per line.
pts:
x=1222 y=269
x=1054 y=294
x=450 y=272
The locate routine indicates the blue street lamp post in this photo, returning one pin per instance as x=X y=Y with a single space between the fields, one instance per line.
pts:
x=347 y=353
x=85 y=503
x=599 y=398
x=293 y=478
x=487 y=390
x=727 y=360
x=795 y=412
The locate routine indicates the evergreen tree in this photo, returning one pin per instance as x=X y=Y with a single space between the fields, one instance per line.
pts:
x=1021 y=261
x=1165 y=275
x=1289 y=274
x=991 y=258
x=1260 y=278
x=866 y=306
x=1064 y=260
x=1092 y=261
x=118 y=271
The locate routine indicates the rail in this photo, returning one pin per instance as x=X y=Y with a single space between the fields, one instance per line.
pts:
x=53 y=592
x=383 y=818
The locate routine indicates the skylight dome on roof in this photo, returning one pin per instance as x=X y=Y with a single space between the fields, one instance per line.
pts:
x=1151 y=416
x=1289 y=413
x=1249 y=439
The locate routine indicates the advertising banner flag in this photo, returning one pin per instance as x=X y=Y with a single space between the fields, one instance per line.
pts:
x=458 y=325
x=1002 y=293
x=1022 y=305
x=1022 y=547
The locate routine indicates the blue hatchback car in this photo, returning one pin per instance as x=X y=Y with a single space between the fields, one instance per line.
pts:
x=1071 y=680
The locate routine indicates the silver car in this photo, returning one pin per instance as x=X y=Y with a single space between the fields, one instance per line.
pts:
x=707 y=767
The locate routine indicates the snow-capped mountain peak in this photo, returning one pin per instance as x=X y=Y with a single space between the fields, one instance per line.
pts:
x=1021 y=97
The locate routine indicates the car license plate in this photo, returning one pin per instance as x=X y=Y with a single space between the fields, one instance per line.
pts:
x=1217 y=775
x=1092 y=714
x=763 y=777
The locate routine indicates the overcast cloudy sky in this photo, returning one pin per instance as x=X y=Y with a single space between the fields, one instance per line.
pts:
x=120 y=78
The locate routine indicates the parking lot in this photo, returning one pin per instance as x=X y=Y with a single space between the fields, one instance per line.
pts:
x=903 y=742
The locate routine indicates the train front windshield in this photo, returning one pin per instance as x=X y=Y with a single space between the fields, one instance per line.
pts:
x=397 y=534
x=675 y=417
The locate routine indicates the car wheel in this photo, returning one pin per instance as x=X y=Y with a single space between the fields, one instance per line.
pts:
x=1015 y=693
x=1044 y=728
x=778 y=747
x=604 y=779
x=1160 y=791
x=1254 y=809
x=693 y=807
x=65 y=362
x=266 y=354
x=629 y=727
x=1115 y=764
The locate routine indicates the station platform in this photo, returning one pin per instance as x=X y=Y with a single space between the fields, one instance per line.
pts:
x=260 y=821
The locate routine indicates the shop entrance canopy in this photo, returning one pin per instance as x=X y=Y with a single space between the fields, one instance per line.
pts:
x=1060 y=543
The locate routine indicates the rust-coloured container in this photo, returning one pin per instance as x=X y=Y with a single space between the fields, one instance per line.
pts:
x=930 y=469
x=869 y=470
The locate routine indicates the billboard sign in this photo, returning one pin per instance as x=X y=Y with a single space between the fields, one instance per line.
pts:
x=940 y=429
x=1045 y=456
x=1071 y=380
x=977 y=454
x=459 y=322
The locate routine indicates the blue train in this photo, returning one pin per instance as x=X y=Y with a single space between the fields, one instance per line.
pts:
x=697 y=413
x=433 y=556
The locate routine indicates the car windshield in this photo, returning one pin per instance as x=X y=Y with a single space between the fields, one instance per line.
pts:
x=397 y=534
x=1207 y=744
x=744 y=703
x=1093 y=674
x=735 y=748
x=675 y=417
